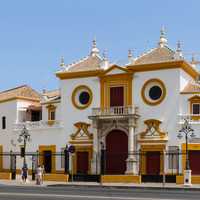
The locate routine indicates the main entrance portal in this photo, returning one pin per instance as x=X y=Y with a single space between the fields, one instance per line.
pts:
x=116 y=152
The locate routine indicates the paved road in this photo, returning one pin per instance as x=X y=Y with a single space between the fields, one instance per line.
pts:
x=95 y=193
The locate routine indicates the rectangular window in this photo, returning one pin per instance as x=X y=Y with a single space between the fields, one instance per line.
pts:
x=117 y=96
x=4 y=122
x=195 y=108
x=173 y=155
x=52 y=114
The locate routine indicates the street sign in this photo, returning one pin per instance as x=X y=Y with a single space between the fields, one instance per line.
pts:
x=71 y=149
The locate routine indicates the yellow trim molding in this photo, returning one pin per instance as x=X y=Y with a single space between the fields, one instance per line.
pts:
x=81 y=127
x=182 y=64
x=160 y=83
x=82 y=148
x=51 y=148
x=116 y=80
x=195 y=179
x=56 y=177
x=120 y=179
x=80 y=74
x=5 y=175
x=81 y=87
x=82 y=139
x=152 y=134
x=115 y=67
x=193 y=147
x=51 y=108
x=193 y=100
x=147 y=148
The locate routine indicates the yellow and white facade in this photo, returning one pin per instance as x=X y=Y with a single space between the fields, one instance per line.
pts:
x=137 y=107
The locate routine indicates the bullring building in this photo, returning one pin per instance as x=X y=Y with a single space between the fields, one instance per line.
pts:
x=130 y=113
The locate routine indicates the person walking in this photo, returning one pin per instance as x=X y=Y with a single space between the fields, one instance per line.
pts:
x=39 y=180
x=24 y=173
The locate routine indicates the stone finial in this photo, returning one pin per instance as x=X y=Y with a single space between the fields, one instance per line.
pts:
x=178 y=54
x=130 y=56
x=193 y=61
x=105 y=62
x=62 y=62
x=94 y=50
x=163 y=40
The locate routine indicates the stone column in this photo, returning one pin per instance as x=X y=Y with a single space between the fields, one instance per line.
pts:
x=131 y=160
x=95 y=156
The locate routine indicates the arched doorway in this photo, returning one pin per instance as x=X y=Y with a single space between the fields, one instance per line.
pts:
x=116 y=152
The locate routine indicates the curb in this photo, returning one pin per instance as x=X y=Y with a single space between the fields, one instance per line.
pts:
x=128 y=187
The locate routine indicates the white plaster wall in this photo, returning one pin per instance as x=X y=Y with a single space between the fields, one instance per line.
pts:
x=71 y=114
x=9 y=110
x=184 y=79
x=167 y=110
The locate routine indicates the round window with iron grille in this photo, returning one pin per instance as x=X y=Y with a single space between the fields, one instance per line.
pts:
x=153 y=92
x=82 y=97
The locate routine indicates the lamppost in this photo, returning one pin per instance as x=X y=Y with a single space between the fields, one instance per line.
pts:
x=24 y=137
x=188 y=131
x=103 y=158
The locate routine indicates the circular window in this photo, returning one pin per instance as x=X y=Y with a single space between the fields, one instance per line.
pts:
x=82 y=97
x=153 y=91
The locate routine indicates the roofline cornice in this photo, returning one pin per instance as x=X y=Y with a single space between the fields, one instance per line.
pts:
x=165 y=65
x=19 y=98
x=134 y=68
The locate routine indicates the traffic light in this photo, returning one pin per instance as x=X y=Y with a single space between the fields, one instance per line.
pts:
x=22 y=153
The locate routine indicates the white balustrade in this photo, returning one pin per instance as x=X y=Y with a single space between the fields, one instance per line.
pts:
x=37 y=125
x=121 y=110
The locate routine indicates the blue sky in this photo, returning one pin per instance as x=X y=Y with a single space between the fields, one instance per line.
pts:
x=35 y=34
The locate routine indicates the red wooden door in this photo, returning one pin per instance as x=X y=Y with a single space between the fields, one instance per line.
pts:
x=116 y=152
x=194 y=161
x=82 y=162
x=116 y=96
x=153 y=162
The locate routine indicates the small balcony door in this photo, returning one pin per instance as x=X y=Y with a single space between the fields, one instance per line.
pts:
x=116 y=96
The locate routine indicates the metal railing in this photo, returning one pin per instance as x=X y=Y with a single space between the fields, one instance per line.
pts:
x=37 y=125
x=121 y=110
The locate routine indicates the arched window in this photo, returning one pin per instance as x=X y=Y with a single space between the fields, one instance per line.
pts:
x=3 y=122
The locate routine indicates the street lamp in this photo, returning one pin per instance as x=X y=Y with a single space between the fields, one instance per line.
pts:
x=188 y=131
x=24 y=137
x=103 y=158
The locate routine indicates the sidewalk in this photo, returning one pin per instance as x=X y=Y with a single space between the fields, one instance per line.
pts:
x=169 y=186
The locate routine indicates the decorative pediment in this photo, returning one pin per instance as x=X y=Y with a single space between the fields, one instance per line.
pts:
x=82 y=133
x=152 y=133
x=115 y=69
x=194 y=98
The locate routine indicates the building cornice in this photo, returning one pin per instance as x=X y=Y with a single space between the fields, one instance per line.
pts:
x=133 y=68
x=19 y=98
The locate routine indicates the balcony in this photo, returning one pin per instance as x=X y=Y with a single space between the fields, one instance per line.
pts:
x=37 y=125
x=192 y=119
x=122 y=111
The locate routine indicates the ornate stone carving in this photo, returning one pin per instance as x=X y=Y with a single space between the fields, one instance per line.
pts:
x=152 y=132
